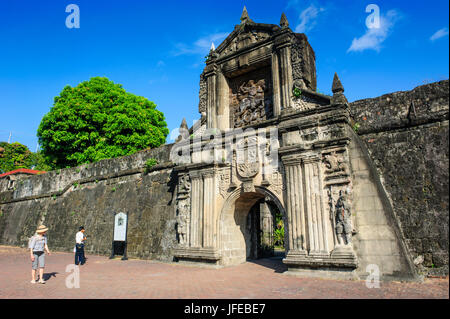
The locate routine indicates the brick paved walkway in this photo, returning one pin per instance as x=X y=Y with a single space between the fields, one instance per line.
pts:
x=104 y=278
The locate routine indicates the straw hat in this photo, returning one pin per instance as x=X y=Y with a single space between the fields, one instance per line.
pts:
x=41 y=229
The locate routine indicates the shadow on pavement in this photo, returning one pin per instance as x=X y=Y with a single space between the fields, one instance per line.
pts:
x=274 y=263
x=47 y=276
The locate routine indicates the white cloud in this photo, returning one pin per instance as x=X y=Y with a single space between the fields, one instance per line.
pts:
x=439 y=34
x=308 y=18
x=201 y=46
x=374 y=37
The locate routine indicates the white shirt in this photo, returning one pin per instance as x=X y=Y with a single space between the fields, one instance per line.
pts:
x=79 y=237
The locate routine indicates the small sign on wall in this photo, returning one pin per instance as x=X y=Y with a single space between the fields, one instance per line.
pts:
x=120 y=227
x=119 y=244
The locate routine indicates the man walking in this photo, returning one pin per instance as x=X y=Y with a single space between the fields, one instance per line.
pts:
x=79 y=247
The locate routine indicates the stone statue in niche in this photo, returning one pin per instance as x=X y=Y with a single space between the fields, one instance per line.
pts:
x=343 y=220
x=183 y=209
x=183 y=221
x=253 y=103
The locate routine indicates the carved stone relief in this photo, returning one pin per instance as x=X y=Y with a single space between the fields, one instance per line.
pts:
x=203 y=95
x=248 y=170
x=310 y=134
x=331 y=132
x=232 y=47
x=251 y=97
x=303 y=65
x=243 y=40
x=297 y=65
x=338 y=184
x=342 y=215
x=183 y=221
x=248 y=162
x=184 y=186
x=224 y=180
x=183 y=210
x=335 y=165
x=276 y=183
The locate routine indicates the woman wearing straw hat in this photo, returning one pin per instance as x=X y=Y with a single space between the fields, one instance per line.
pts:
x=37 y=245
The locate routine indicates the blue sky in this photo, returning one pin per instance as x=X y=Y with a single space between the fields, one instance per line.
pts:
x=156 y=49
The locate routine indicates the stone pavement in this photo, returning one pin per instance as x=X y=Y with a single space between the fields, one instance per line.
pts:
x=263 y=279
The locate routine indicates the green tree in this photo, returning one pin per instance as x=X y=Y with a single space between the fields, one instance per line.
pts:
x=96 y=120
x=38 y=162
x=279 y=231
x=14 y=156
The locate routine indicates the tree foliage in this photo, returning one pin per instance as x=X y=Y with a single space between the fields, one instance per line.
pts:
x=15 y=155
x=279 y=231
x=97 y=120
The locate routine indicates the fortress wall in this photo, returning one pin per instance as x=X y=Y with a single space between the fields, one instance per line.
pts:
x=90 y=196
x=406 y=136
x=378 y=240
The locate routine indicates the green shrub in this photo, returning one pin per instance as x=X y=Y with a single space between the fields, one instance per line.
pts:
x=297 y=92
x=149 y=164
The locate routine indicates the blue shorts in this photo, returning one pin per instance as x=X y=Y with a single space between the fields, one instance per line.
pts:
x=39 y=258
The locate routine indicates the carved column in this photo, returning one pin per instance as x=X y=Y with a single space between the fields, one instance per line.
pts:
x=295 y=205
x=209 y=222
x=276 y=84
x=211 y=78
x=196 y=209
x=316 y=220
x=223 y=109
x=286 y=75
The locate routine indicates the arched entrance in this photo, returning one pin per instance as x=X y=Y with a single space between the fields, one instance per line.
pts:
x=247 y=225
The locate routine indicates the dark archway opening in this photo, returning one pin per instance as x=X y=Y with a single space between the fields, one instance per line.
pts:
x=265 y=231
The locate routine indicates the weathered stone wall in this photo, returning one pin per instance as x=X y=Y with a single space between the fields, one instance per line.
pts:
x=89 y=195
x=407 y=138
x=378 y=240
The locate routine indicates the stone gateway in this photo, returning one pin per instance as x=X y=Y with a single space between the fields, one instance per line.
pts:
x=269 y=153
x=262 y=77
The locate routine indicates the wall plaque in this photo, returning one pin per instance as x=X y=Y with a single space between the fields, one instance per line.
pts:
x=119 y=244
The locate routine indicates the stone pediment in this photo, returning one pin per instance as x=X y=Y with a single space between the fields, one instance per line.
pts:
x=244 y=36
